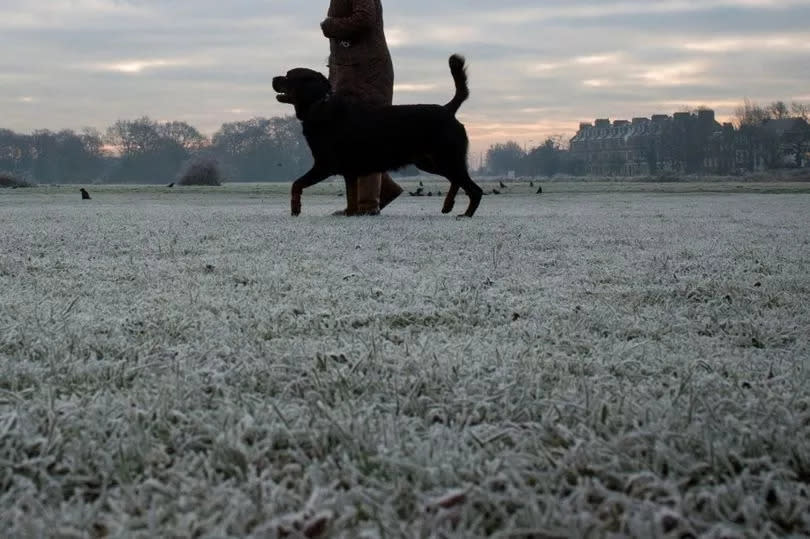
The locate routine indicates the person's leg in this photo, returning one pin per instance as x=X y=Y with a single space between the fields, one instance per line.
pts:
x=368 y=194
x=351 y=196
x=389 y=190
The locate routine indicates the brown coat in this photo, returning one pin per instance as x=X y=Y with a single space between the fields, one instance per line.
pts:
x=359 y=61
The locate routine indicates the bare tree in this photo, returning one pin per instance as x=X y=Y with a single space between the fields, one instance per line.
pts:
x=16 y=152
x=150 y=151
x=778 y=110
x=65 y=156
x=262 y=149
x=501 y=158
x=93 y=141
x=183 y=134
x=134 y=137
x=544 y=159
x=750 y=114
x=800 y=110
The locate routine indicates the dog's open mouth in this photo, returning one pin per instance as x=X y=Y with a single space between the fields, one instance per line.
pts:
x=280 y=86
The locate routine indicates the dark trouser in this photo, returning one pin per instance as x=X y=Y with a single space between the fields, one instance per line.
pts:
x=367 y=195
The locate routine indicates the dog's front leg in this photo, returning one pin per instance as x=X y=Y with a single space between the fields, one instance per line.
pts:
x=450 y=199
x=311 y=177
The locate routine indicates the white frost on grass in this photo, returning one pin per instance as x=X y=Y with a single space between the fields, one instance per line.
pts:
x=572 y=365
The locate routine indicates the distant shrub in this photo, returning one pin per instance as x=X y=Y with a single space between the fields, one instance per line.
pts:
x=8 y=180
x=203 y=171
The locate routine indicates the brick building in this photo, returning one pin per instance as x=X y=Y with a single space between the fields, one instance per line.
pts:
x=688 y=143
x=662 y=143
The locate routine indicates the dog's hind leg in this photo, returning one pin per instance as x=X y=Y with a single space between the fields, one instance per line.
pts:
x=311 y=177
x=462 y=179
x=428 y=164
x=459 y=178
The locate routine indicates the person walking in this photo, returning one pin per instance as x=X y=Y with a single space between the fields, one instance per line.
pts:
x=360 y=68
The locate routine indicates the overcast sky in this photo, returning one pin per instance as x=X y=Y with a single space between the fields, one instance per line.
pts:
x=536 y=68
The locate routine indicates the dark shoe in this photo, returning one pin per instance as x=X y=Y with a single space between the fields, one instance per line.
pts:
x=389 y=190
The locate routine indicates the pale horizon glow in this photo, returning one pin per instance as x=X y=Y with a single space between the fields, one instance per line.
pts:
x=414 y=88
x=534 y=71
x=136 y=66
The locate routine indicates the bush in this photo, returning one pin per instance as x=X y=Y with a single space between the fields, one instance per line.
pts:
x=8 y=180
x=201 y=172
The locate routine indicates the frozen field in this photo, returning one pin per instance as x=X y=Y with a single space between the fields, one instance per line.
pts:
x=196 y=363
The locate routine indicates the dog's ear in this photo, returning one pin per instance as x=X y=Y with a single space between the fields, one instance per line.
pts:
x=311 y=87
x=323 y=81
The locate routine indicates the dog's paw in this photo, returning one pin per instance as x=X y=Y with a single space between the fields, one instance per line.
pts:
x=447 y=208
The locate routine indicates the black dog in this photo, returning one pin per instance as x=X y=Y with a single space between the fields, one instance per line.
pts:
x=351 y=139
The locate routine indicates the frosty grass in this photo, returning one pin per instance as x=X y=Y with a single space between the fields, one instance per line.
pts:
x=197 y=363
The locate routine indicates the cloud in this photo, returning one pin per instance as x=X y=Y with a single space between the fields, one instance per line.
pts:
x=550 y=11
x=535 y=70
x=597 y=83
x=598 y=59
x=677 y=74
x=740 y=43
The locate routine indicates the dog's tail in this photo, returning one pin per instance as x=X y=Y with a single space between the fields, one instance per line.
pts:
x=459 y=72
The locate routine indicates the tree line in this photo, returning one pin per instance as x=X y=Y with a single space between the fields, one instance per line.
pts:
x=147 y=151
x=549 y=158
x=266 y=149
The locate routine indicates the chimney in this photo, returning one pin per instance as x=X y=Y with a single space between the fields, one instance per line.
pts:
x=706 y=115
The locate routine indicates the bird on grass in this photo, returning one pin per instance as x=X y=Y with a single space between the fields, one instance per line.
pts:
x=85 y=194
x=170 y=185
x=502 y=185
x=540 y=190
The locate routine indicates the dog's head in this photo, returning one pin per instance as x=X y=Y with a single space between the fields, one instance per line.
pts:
x=301 y=87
